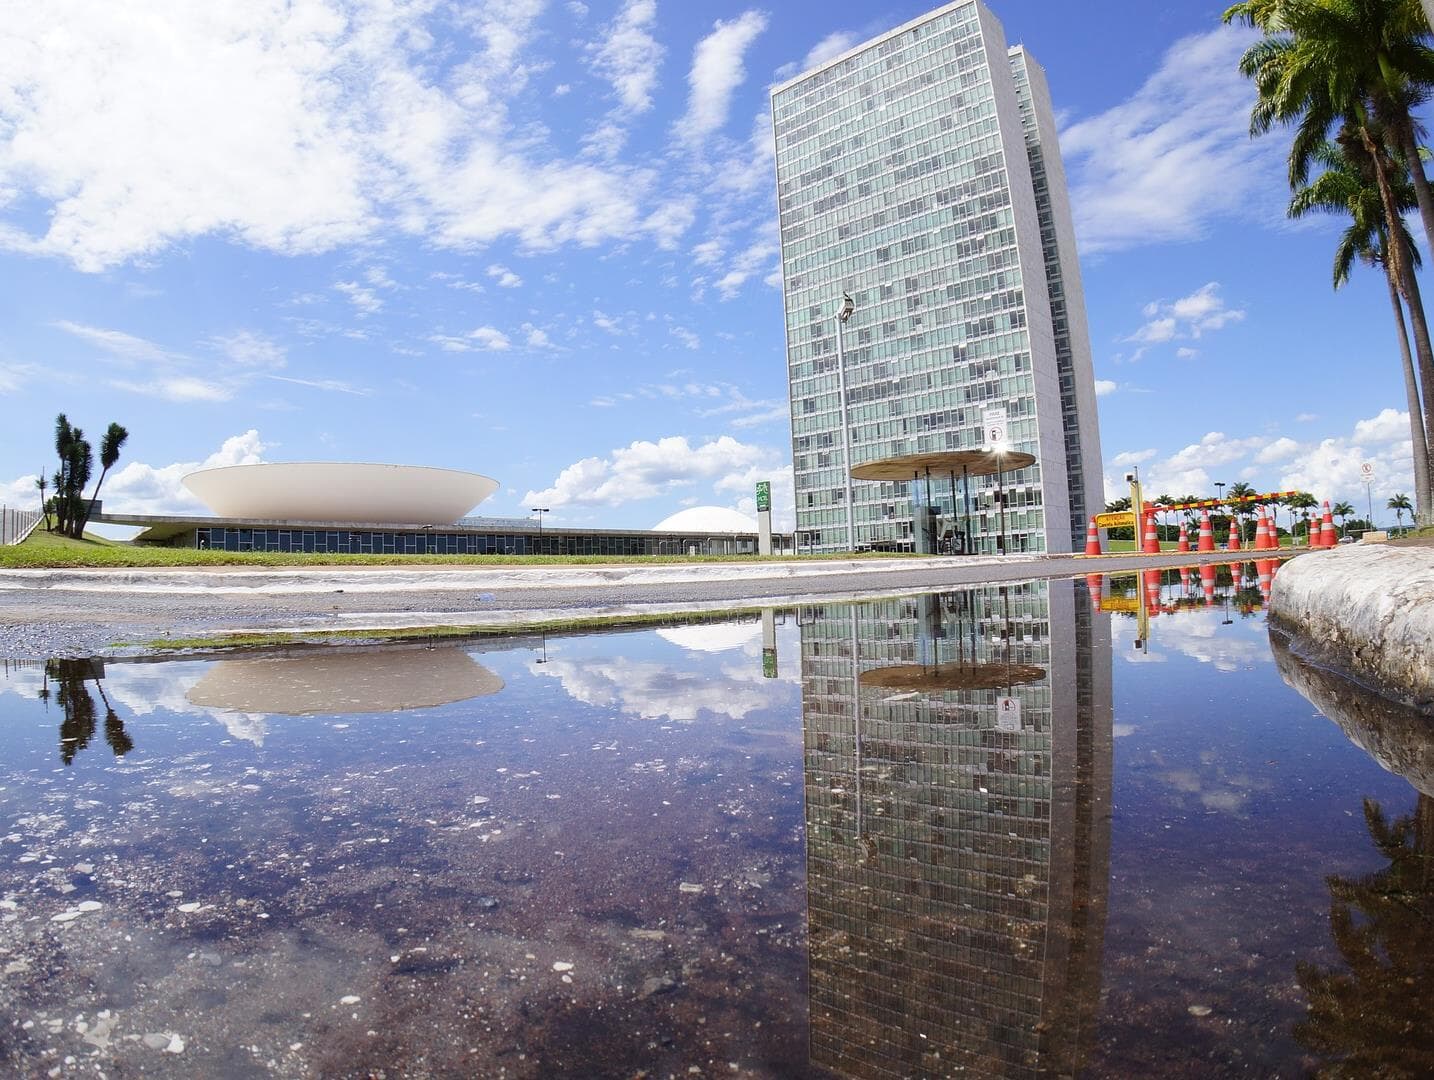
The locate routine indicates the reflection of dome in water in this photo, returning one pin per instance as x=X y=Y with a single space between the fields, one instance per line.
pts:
x=367 y=680
x=707 y=519
x=712 y=637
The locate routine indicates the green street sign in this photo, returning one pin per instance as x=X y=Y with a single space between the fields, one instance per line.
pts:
x=764 y=495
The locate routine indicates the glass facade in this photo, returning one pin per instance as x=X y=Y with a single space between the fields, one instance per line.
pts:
x=957 y=861
x=438 y=542
x=903 y=180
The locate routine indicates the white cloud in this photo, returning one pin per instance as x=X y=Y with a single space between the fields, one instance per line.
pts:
x=628 y=56
x=489 y=337
x=250 y=350
x=646 y=469
x=338 y=386
x=1185 y=352
x=506 y=278
x=537 y=338
x=1306 y=418
x=607 y=322
x=14 y=376
x=365 y=300
x=184 y=389
x=717 y=71
x=1327 y=468
x=1105 y=386
x=138 y=488
x=686 y=336
x=1177 y=155
x=1388 y=426
x=1187 y=318
x=116 y=342
x=291 y=128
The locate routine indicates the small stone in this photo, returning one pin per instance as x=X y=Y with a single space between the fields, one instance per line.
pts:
x=688 y=887
x=65 y=916
x=191 y=906
x=1199 y=1010
x=657 y=984
x=479 y=800
x=487 y=903
x=89 y=905
x=84 y=868
x=155 y=1041
x=174 y=894
x=648 y=935
x=350 y=999
x=562 y=965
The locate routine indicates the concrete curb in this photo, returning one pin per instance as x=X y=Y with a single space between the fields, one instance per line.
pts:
x=1365 y=611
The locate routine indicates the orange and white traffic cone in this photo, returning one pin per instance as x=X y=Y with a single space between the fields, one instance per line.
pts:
x=1234 y=544
x=1092 y=539
x=1326 y=529
x=1206 y=539
x=1184 y=542
x=1152 y=541
x=1262 y=536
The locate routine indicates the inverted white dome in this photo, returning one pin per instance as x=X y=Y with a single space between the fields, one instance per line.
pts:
x=712 y=637
x=341 y=491
x=707 y=519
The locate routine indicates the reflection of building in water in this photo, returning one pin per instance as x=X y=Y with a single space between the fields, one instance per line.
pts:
x=364 y=680
x=957 y=871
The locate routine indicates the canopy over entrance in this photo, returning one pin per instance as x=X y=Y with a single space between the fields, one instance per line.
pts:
x=968 y=463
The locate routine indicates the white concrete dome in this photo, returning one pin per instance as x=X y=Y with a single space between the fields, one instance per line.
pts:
x=707 y=519
x=712 y=637
x=340 y=492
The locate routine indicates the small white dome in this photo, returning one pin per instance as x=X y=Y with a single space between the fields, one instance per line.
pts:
x=707 y=519
x=712 y=637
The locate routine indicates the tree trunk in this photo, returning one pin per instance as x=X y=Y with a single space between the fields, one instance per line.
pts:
x=1422 y=193
x=1408 y=283
x=1417 y=435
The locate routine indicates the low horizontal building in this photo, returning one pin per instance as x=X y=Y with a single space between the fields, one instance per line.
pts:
x=354 y=509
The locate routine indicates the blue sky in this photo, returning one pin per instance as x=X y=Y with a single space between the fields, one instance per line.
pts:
x=536 y=239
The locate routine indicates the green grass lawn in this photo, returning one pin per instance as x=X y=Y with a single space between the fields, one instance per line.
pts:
x=43 y=550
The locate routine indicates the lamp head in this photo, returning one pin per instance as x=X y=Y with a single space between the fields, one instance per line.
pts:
x=847 y=307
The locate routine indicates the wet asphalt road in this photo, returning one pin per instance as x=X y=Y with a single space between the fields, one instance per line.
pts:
x=40 y=623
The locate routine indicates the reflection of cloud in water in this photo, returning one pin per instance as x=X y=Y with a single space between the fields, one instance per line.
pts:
x=652 y=690
x=715 y=637
x=1199 y=635
x=151 y=688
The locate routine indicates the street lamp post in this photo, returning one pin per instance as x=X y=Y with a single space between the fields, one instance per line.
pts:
x=540 y=511
x=847 y=307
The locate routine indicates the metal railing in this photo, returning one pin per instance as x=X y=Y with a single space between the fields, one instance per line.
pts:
x=15 y=525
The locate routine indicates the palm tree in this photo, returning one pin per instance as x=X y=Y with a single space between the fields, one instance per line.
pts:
x=1342 y=510
x=1364 y=65
x=110 y=445
x=1237 y=492
x=1328 y=59
x=43 y=484
x=1399 y=503
x=1344 y=187
x=1304 y=502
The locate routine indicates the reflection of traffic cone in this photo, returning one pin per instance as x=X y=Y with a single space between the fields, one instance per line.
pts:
x=1152 y=592
x=1234 y=533
x=1152 y=542
x=1207 y=583
x=1326 y=529
x=1185 y=580
x=1265 y=568
x=1184 y=542
x=1093 y=583
x=1206 y=540
x=1092 y=539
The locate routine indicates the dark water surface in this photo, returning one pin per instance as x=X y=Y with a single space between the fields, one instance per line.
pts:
x=991 y=832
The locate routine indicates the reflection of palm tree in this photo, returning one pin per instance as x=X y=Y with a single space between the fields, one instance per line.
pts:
x=1372 y=1020
x=73 y=695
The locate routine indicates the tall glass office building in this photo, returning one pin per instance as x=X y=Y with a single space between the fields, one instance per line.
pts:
x=919 y=174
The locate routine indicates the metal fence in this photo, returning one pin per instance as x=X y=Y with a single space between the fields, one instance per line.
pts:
x=15 y=525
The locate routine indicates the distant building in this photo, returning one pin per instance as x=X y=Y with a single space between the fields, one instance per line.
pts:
x=919 y=174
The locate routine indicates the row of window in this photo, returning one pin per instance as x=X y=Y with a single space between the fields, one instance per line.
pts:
x=425 y=542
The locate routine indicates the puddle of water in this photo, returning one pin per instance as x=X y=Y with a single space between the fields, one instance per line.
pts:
x=1005 y=831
